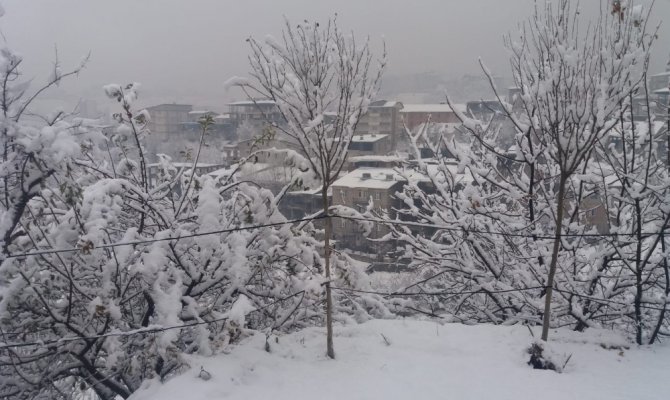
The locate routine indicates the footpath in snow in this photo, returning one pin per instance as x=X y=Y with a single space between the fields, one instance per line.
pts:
x=423 y=360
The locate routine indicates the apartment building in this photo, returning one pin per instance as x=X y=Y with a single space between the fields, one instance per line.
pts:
x=382 y=118
x=370 y=144
x=166 y=119
x=355 y=190
x=414 y=115
x=255 y=112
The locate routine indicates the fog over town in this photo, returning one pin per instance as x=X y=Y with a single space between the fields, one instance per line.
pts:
x=183 y=51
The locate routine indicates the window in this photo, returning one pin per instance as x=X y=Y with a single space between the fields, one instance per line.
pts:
x=378 y=196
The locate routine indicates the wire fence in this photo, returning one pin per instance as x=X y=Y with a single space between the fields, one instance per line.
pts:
x=403 y=294
x=315 y=218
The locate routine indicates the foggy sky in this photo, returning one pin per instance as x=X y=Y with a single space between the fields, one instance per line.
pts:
x=183 y=50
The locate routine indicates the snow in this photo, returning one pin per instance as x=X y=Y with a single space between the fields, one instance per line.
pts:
x=184 y=165
x=385 y=178
x=384 y=103
x=422 y=360
x=368 y=138
x=251 y=102
x=431 y=108
x=374 y=178
x=235 y=81
x=373 y=158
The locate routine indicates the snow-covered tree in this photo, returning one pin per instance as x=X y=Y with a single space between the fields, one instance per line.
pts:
x=120 y=268
x=573 y=84
x=633 y=179
x=514 y=217
x=322 y=82
x=33 y=148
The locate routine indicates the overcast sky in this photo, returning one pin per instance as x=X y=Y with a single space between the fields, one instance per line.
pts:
x=183 y=50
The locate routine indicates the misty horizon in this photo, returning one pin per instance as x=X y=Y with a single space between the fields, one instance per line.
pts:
x=182 y=52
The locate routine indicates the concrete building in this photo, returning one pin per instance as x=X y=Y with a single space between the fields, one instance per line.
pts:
x=244 y=148
x=484 y=110
x=258 y=112
x=375 y=161
x=221 y=130
x=166 y=119
x=414 y=115
x=355 y=190
x=659 y=81
x=301 y=203
x=382 y=118
x=371 y=144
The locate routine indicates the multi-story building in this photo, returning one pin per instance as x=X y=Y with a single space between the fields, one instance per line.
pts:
x=302 y=203
x=166 y=125
x=414 y=115
x=166 y=119
x=660 y=81
x=256 y=112
x=355 y=190
x=244 y=148
x=371 y=144
x=221 y=130
x=382 y=118
x=380 y=185
x=484 y=109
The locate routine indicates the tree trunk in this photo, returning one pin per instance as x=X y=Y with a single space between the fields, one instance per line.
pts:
x=639 y=266
x=560 y=205
x=330 y=352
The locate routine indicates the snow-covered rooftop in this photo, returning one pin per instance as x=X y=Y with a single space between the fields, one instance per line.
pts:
x=311 y=192
x=373 y=158
x=431 y=108
x=184 y=165
x=383 y=103
x=385 y=178
x=448 y=127
x=251 y=102
x=367 y=138
x=370 y=178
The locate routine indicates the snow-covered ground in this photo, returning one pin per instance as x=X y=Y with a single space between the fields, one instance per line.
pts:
x=423 y=360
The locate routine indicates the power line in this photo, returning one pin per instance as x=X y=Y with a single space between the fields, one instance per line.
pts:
x=468 y=230
x=486 y=291
x=165 y=239
x=440 y=293
x=318 y=217
x=313 y=218
x=156 y=329
x=149 y=329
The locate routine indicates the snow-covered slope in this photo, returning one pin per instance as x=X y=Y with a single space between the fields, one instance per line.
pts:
x=423 y=360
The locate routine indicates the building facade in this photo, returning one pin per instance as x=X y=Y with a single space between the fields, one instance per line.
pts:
x=414 y=115
x=355 y=190
x=382 y=118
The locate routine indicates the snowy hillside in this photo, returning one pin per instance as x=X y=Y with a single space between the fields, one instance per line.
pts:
x=423 y=360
